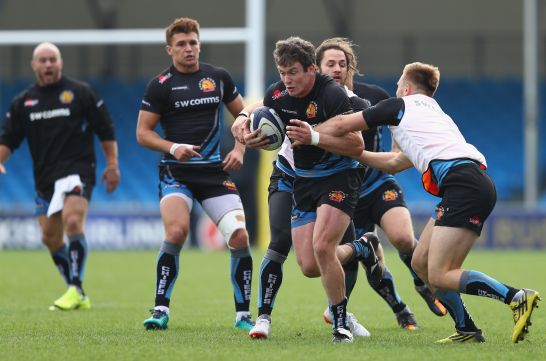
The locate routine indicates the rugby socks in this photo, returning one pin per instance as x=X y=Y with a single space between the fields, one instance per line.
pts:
x=351 y=273
x=60 y=258
x=339 y=312
x=77 y=257
x=241 y=277
x=166 y=273
x=270 y=280
x=406 y=258
x=479 y=284
x=454 y=304
x=387 y=291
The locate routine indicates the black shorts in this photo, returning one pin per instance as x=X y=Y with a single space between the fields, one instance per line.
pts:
x=43 y=197
x=198 y=183
x=280 y=182
x=469 y=196
x=371 y=208
x=339 y=190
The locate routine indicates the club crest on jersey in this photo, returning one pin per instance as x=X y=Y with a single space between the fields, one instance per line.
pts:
x=66 y=97
x=163 y=78
x=207 y=85
x=30 y=102
x=230 y=185
x=311 y=111
x=390 y=195
x=337 y=196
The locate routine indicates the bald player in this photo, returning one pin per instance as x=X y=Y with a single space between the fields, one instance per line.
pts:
x=58 y=116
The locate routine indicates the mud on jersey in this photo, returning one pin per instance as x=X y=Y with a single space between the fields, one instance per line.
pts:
x=189 y=106
x=326 y=99
x=58 y=122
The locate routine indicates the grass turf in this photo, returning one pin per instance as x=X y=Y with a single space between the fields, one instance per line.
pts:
x=121 y=285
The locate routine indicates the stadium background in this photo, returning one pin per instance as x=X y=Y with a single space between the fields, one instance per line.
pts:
x=477 y=45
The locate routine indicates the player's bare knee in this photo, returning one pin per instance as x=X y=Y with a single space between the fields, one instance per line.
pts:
x=73 y=223
x=309 y=270
x=239 y=239
x=176 y=234
x=402 y=242
x=436 y=278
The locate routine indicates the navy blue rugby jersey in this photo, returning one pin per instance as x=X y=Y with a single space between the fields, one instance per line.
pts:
x=373 y=178
x=326 y=100
x=189 y=106
x=58 y=122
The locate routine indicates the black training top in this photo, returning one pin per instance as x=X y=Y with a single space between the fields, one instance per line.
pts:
x=325 y=100
x=58 y=122
x=189 y=105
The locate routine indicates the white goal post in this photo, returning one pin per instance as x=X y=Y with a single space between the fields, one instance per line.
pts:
x=252 y=35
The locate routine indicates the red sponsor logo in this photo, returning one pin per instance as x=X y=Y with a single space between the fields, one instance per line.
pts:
x=163 y=78
x=475 y=220
x=337 y=196
x=30 y=102
x=230 y=185
x=279 y=94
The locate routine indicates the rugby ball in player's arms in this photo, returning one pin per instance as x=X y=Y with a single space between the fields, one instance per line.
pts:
x=271 y=125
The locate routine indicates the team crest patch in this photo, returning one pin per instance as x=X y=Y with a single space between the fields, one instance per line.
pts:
x=390 y=195
x=337 y=196
x=439 y=213
x=475 y=220
x=311 y=111
x=230 y=185
x=207 y=85
x=66 y=97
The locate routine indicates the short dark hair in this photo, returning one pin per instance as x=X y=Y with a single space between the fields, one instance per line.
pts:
x=294 y=50
x=424 y=76
x=342 y=44
x=181 y=25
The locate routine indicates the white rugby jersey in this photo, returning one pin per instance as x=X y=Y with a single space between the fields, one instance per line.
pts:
x=425 y=133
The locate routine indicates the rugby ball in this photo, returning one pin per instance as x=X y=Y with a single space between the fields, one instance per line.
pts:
x=271 y=125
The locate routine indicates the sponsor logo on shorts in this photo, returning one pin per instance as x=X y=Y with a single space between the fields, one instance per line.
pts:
x=439 y=213
x=30 y=102
x=390 y=195
x=183 y=87
x=311 y=111
x=66 y=97
x=207 y=85
x=337 y=196
x=475 y=220
x=163 y=78
x=230 y=185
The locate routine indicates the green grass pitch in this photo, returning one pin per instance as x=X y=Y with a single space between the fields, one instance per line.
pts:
x=121 y=284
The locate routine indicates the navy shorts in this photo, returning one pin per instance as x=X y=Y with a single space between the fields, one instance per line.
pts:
x=469 y=196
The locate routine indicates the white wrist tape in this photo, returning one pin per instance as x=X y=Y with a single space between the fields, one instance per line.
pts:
x=315 y=137
x=175 y=146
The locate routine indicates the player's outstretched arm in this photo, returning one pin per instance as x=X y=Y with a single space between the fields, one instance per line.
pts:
x=343 y=124
x=5 y=152
x=389 y=162
x=111 y=174
x=350 y=144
